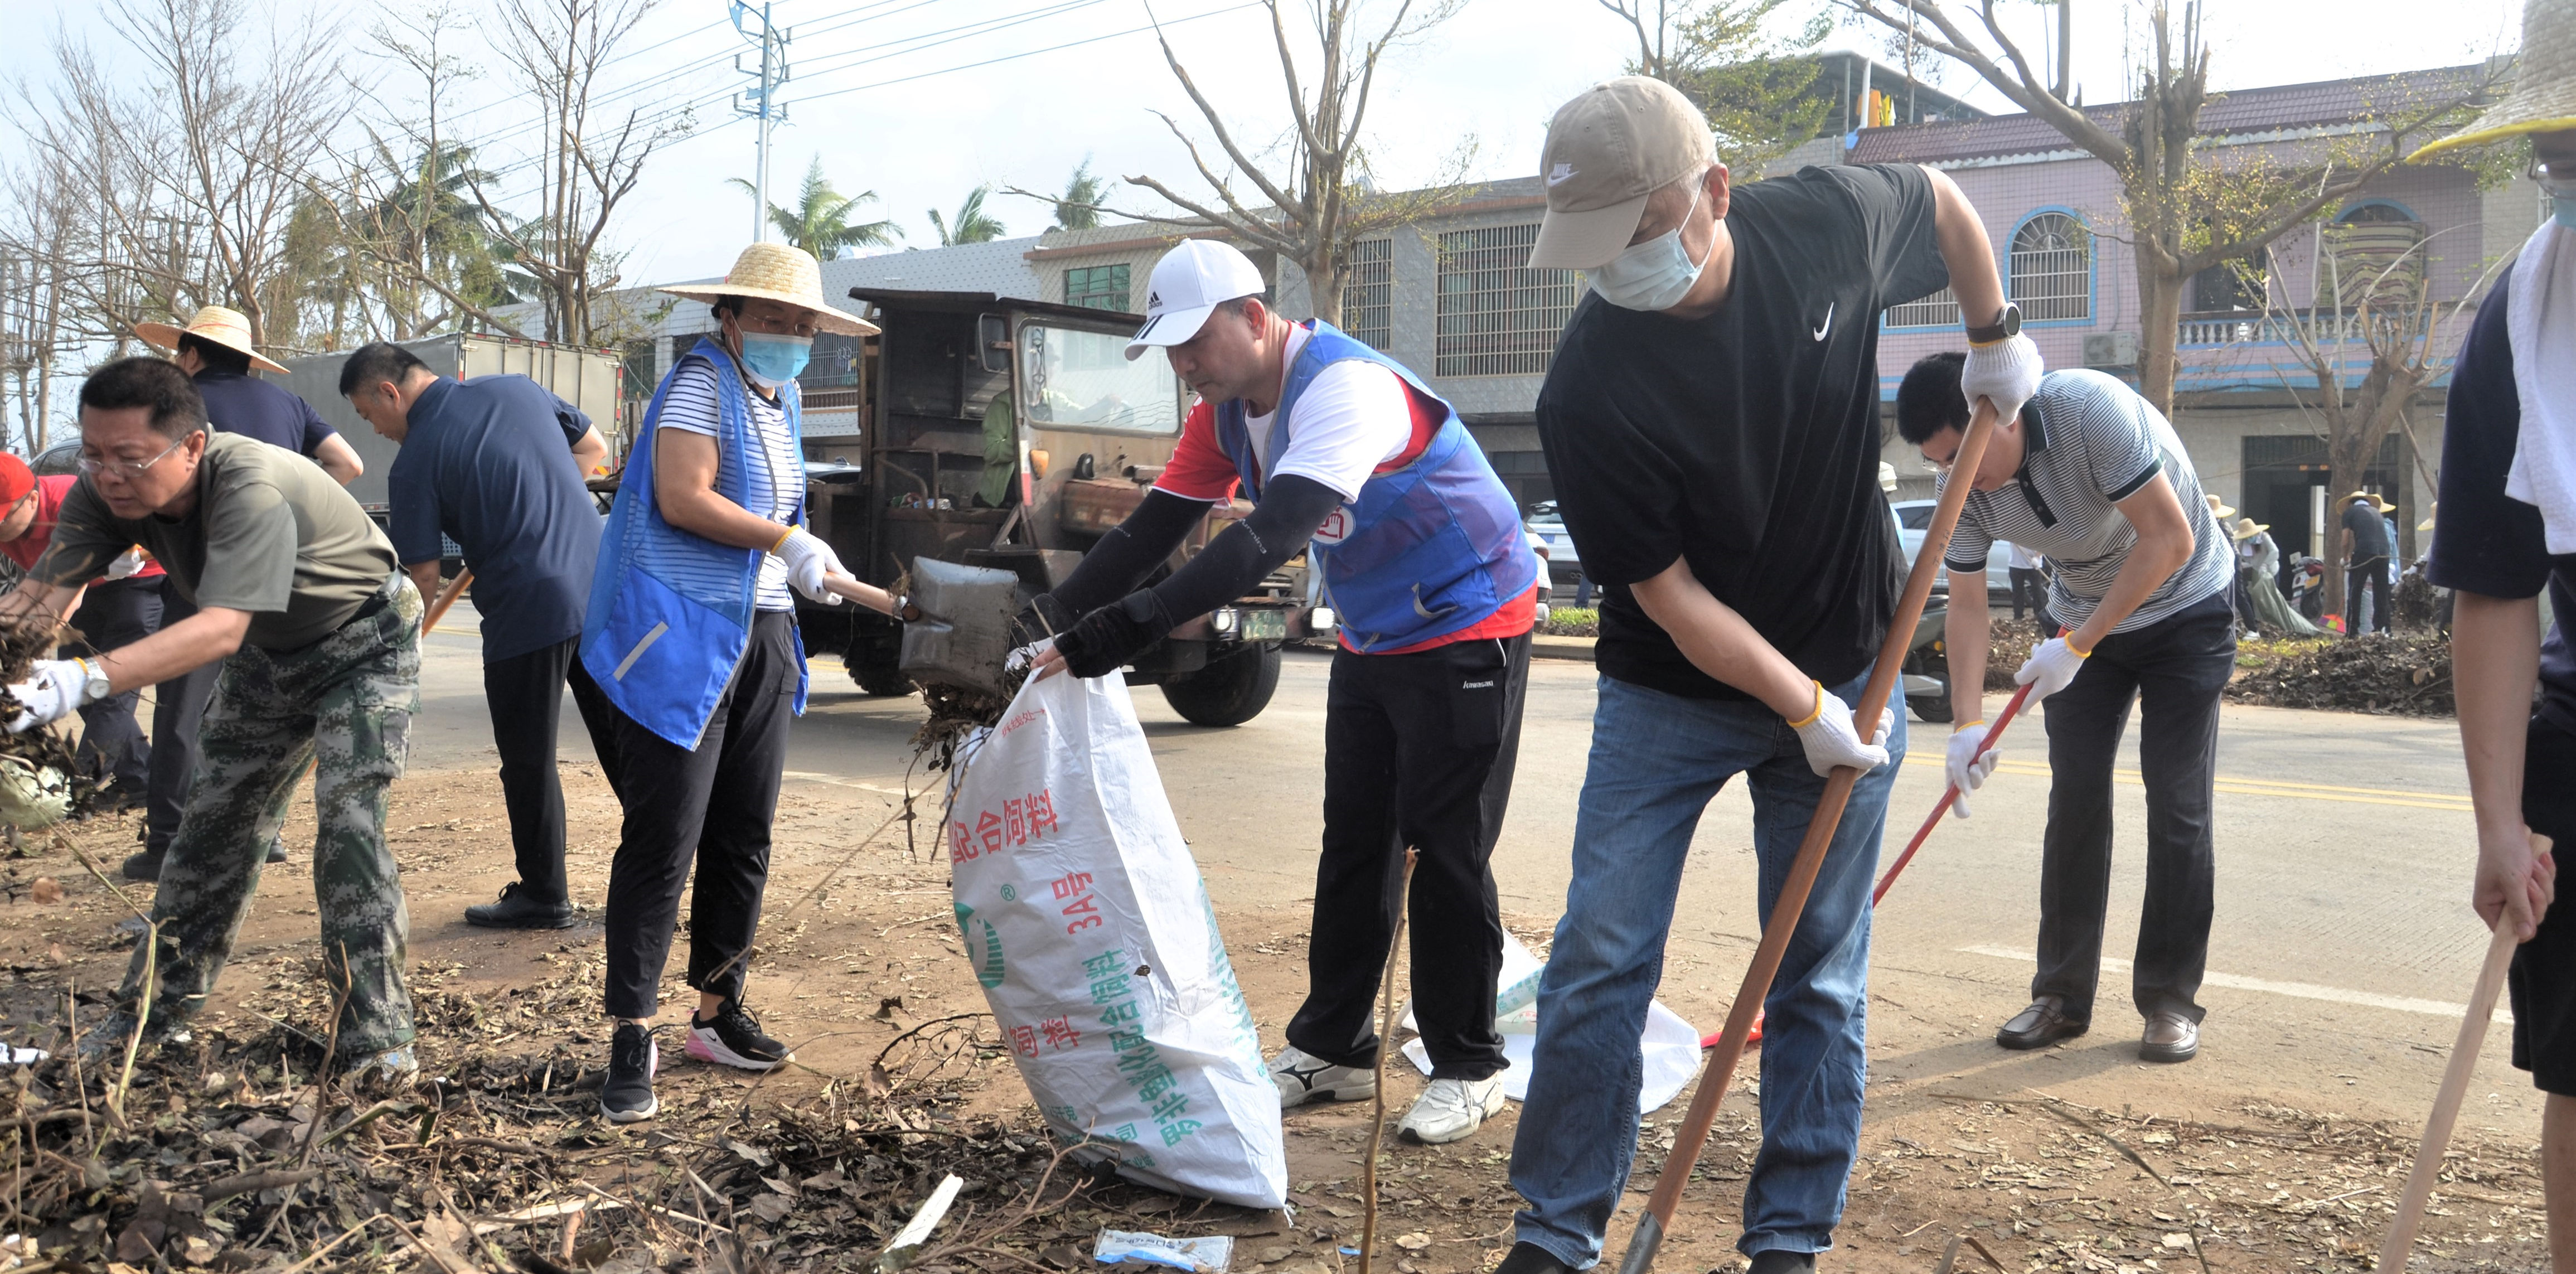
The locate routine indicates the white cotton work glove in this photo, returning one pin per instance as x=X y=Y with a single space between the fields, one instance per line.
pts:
x=57 y=688
x=2050 y=667
x=127 y=563
x=1969 y=771
x=808 y=559
x=1831 y=739
x=2005 y=372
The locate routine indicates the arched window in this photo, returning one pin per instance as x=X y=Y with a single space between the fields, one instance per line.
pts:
x=2052 y=269
x=2373 y=256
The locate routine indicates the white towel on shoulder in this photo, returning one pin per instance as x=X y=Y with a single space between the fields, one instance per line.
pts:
x=2540 y=328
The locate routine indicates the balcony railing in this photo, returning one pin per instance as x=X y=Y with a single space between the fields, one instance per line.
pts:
x=2256 y=327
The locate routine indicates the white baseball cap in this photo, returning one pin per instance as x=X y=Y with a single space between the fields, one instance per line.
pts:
x=1189 y=283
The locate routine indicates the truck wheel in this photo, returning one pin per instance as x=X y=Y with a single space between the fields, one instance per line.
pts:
x=1229 y=691
x=872 y=665
x=1932 y=708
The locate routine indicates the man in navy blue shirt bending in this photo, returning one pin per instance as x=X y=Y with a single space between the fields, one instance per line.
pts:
x=496 y=463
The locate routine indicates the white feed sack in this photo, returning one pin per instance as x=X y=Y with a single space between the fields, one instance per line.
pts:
x=1089 y=928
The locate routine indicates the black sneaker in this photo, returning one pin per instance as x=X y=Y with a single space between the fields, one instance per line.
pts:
x=1530 y=1258
x=733 y=1038
x=1774 y=1260
x=516 y=910
x=633 y=1056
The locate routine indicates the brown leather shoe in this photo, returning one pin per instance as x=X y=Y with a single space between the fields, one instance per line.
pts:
x=2171 y=1037
x=2042 y=1024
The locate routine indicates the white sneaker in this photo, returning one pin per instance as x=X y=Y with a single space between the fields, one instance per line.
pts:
x=1451 y=1109
x=1303 y=1077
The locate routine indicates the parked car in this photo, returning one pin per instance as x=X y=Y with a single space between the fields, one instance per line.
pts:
x=57 y=460
x=1546 y=586
x=1564 y=565
x=1913 y=517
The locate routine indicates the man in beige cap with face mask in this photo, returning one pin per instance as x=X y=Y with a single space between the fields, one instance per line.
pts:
x=1711 y=423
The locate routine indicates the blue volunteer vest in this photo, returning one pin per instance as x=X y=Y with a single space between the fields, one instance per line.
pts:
x=670 y=611
x=1426 y=550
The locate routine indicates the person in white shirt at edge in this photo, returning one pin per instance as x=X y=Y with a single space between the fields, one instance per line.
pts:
x=2094 y=477
x=1434 y=588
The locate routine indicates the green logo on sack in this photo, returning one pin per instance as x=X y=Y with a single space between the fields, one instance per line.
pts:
x=988 y=970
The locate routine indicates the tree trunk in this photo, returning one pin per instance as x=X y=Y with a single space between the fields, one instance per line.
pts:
x=2342 y=477
x=2159 y=326
x=1326 y=279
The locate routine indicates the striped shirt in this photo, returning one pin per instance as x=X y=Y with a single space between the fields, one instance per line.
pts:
x=2089 y=442
x=691 y=407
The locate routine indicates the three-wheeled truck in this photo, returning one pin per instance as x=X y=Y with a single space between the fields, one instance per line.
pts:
x=1011 y=434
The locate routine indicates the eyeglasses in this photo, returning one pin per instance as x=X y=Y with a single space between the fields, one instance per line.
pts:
x=2558 y=181
x=772 y=325
x=128 y=468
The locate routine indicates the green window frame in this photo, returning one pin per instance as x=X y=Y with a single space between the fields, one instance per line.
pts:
x=1099 y=287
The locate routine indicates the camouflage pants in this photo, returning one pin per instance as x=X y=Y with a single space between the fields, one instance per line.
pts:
x=345 y=702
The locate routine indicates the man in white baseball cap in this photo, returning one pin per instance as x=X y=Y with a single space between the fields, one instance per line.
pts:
x=1711 y=423
x=1350 y=457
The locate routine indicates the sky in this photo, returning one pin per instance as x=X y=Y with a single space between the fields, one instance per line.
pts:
x=922 y=100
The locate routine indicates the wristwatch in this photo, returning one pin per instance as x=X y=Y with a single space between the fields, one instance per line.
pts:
x=96 y=686
x=2006 y=326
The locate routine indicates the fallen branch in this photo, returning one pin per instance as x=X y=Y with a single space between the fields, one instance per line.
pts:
x=1385 y=1041
x=254 y=1182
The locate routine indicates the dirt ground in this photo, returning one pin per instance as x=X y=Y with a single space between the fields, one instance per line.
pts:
x=859 y=967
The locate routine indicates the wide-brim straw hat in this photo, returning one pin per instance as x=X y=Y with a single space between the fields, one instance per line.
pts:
x=778 y=272
x=2384 y=506
x=2219 y=507
x=2429 y=515
x=2543 y=99
x=228 y=328
x=2248 y=528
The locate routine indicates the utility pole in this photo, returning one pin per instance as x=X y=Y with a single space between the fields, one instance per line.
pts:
x=758 y=102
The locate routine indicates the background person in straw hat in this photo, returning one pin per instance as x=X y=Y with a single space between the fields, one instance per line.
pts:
x=2509 y=476
x=215 y=350
x=2366 y=548
x=2258 y=563
x=691 y=635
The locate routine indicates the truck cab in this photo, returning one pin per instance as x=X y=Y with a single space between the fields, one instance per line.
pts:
x=997 y=432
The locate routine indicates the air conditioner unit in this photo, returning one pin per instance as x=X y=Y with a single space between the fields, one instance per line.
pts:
x=2111 y=349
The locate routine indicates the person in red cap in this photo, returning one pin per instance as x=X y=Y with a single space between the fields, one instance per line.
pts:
x=122 y=607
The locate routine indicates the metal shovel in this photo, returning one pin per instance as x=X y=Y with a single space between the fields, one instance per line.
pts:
x=961 y=632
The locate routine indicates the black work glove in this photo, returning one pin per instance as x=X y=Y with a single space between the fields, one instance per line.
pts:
x=1108 y=639
x=1042 y=618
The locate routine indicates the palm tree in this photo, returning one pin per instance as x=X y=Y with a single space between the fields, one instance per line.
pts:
x=1079 y=207
x=820 y=221
x=972 y=224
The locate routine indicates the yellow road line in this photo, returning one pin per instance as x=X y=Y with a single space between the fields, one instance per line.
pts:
x=2260 y=787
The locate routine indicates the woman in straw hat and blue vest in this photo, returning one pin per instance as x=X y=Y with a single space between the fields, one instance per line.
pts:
x=2509 y=476
x=691 y=634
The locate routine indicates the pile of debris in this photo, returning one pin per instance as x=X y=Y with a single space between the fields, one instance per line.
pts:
x=40 y=779
x=2008 y=646
x=2405 y=674
x=237 y=1154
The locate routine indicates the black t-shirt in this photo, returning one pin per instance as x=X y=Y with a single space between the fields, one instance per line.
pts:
x=1748 y=441
x=2369 y=532
x=2490 y=543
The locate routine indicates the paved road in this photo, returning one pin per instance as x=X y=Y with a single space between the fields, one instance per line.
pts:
x=2341 y=951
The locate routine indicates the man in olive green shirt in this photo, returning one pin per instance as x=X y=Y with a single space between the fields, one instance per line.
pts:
x=318 y=634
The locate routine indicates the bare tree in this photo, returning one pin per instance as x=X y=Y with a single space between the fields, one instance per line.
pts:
x=584 y=165
x=1318 y=205
x=2388 y=322
x=1758 y=91
x=192 y=170
x=2186 y=211
x=38 y=240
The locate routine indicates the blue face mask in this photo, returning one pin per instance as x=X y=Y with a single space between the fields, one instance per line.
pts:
x=2566 y=211
x=1656 y=274
x=772 y=361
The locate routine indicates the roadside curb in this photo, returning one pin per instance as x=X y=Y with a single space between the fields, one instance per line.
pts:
x=1562 y=648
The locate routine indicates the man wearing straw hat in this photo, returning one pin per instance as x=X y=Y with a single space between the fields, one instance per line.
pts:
x=215 y=350
x=690 y=633
x=317 y=638
x=2509 y=475
x=2366 y=549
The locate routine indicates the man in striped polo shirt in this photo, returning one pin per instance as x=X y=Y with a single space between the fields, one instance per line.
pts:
x=2092 y=476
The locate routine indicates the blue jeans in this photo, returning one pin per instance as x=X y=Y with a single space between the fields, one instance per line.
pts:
x=1657 y=760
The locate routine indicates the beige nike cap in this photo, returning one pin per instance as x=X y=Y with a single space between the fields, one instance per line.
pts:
x=1607 y=150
